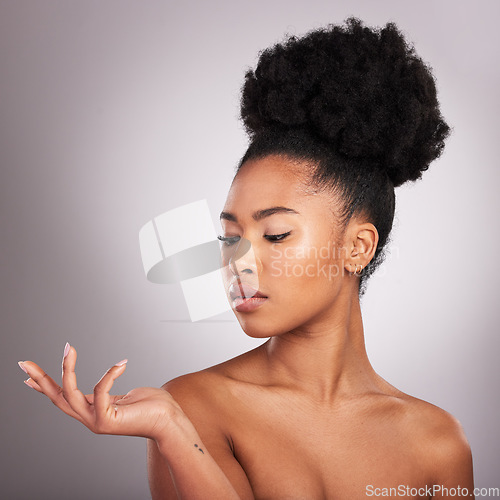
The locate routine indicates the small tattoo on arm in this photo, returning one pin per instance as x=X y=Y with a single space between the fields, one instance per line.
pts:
x=196 y=446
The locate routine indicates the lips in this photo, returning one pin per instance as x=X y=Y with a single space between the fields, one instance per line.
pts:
x=244 y=291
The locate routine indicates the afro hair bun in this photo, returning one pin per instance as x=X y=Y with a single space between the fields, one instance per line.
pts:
x=362 y=91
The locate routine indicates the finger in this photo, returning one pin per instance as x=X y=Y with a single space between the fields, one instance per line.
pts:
x=102 y=399
x=47 y=386
x=70 y=390
x=31 y=383
x=112 y=399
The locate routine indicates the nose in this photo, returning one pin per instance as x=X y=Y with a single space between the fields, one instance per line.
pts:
x=242 y=259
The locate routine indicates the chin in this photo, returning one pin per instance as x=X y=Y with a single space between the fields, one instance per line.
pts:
x=253 y=328
x=262 y=327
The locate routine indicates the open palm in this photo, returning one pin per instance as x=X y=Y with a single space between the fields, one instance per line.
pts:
x=144 y=411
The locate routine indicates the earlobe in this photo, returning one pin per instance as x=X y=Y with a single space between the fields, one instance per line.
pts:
x=356 y=269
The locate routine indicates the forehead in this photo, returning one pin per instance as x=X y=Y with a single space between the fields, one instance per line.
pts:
x=273 y=180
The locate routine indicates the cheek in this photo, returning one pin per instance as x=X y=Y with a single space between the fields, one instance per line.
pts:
x=301 y=266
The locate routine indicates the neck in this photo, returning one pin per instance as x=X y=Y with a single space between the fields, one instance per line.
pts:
x=327 y=358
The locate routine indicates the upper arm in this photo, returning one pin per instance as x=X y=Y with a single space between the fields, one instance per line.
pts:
x=452 y=459
x=208 y=425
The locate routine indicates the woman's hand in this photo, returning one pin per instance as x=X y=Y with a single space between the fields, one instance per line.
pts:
x=144 y=412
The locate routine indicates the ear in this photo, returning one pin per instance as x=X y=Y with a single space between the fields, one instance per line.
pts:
x=360 y=242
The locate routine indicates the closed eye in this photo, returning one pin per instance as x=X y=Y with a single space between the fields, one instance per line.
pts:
x=276 y=237
x=228 y=240
x=231 y=240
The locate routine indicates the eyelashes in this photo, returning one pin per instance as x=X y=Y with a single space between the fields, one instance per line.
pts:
x=228 y=241
x=231 y=240
x=276 y=237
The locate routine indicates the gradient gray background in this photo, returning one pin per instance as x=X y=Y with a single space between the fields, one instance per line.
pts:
x=112 y=112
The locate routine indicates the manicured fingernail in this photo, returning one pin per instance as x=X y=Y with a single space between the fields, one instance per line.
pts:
x=28 y=383
x=66 y=350
x=21 y=365
x=122 y=362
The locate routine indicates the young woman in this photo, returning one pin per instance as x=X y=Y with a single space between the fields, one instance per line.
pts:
x=337 y=119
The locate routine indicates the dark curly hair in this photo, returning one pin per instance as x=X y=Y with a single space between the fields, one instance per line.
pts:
x=357 y=103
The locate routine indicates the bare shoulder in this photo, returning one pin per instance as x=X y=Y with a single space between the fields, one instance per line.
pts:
x=439 y=437
x=211 y=390
x=198 y=392
x=432 y=424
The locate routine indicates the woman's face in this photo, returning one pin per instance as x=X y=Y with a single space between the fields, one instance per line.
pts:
x=282 y=240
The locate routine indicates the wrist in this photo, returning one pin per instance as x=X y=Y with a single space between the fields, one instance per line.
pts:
x=176 y=432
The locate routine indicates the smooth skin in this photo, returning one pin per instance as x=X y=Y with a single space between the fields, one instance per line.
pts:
x=304 y=415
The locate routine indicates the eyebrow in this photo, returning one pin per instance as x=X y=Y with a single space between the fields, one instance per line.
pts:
x=260 y=214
